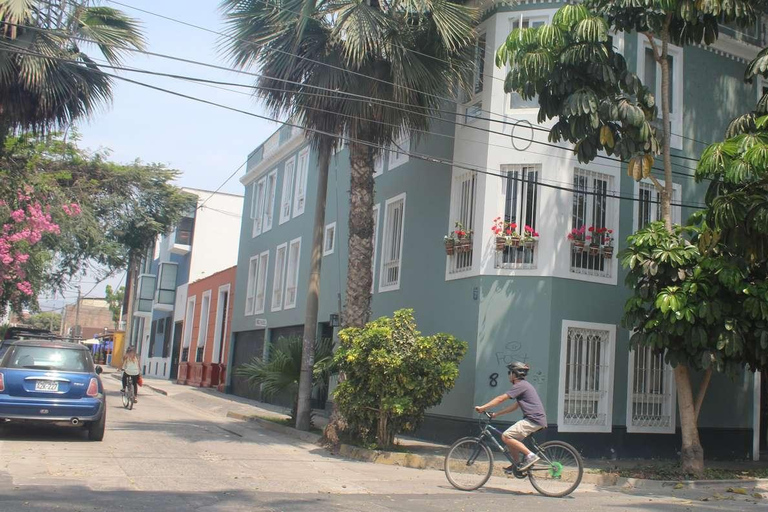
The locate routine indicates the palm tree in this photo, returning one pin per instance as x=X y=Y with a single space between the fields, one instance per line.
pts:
x=312 y=55
x=280 y=372
x=46 y=79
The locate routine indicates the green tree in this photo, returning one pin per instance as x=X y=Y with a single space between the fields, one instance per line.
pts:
x=46 y=92
x=281 y=371
x=600 y=106
x=393 y=375
x=115 y=299
x=312 y=55
x=121 y=208
x=50 y=320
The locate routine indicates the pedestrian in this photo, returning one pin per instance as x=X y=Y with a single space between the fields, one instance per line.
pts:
x=131 y=367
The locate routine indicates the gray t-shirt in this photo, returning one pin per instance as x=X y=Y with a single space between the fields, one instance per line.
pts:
x=529 y=401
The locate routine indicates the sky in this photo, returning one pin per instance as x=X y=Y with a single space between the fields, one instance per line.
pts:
x=204 y=142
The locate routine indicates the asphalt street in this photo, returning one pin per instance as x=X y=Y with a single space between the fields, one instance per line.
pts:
x=167 y=456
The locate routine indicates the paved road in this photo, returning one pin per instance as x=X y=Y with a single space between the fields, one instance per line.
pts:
x=164 y=456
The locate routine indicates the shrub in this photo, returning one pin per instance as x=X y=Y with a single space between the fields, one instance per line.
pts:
x=393 y=374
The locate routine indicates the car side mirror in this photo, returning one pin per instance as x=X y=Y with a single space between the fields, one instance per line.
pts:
x=99 y=369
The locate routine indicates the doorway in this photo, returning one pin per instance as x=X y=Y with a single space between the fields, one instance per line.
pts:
x=177 y=330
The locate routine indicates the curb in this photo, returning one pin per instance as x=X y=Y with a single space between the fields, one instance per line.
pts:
x=153 y=388
x=434 y=462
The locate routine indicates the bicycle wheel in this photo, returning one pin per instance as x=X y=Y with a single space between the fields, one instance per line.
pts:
x=128 y=396
x=469 y=464
x=559 y=471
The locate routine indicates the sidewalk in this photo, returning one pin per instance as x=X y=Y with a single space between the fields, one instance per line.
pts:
x=420 y=454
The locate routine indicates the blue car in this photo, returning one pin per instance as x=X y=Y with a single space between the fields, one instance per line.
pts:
x=52 y=382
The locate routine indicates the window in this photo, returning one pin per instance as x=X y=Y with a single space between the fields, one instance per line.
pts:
x=651 y=401
x=202 y=334
x=269 y=203
x=376 y=209
x=521 y=205
x=261 y=283
x=160 y=327
x=392 y=252
x=463 y=210
x=473 y=104
x=292 y=277
x=146 y=293
x=648 y=206
x=586 y=377
x=220 y=329
x=515 y=99
x=398 y=153
x=278 y=281
x=300 y=197
x=592 y=208
x=287 y=196
x=257 y=205
x=650 y=71
x=184 y=231
x=188 y=319
x=329 y=240
x=250 y=291
x=166 y=287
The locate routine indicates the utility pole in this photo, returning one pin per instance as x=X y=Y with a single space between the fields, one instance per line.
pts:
x=77 y=314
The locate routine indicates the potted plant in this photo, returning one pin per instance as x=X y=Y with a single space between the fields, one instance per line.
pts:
x=530 y=237
x=512 y=236
x=463 y=238
x=594 y=241
x=498 y=228
x=608 y=243
x=577 y=238
x=450 y=243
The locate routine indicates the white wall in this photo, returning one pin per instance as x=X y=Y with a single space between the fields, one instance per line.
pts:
x=217 y=234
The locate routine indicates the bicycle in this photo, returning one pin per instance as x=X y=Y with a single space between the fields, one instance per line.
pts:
x=127 y=394
x=469 y=463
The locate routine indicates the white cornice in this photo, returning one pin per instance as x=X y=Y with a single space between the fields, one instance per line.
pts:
x=268 y=163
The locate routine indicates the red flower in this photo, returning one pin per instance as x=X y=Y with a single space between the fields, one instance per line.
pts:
x=591 y=229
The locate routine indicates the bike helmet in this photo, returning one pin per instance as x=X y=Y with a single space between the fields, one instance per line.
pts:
x=519 y=369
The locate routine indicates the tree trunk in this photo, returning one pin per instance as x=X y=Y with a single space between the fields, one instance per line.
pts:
x=304 y=408
x=359 y=272
x=382 y=432
x=692 y=454
x=666 y=196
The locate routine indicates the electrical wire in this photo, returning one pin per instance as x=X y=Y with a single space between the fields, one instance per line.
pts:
x=456 y=123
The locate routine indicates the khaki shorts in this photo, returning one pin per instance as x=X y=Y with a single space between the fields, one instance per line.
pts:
x=522 y=429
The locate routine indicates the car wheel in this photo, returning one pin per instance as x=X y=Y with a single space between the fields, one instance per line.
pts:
x=96 y=428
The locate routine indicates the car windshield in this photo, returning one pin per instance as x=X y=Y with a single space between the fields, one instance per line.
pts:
x=47 y=358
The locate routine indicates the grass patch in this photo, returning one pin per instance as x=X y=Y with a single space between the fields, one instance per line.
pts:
x=674 y=472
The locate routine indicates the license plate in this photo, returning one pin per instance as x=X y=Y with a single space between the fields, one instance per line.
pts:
x=46 y=385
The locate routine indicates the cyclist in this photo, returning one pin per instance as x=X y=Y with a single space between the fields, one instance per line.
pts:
x=534 y=417
x=131 y=370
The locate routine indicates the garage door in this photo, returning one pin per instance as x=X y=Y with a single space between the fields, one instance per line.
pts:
x=248 y=344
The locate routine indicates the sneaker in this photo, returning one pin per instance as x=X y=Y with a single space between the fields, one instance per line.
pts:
x=530 y=460
x=510 y=470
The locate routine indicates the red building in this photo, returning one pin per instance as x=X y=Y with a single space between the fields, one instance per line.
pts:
x=206 y=330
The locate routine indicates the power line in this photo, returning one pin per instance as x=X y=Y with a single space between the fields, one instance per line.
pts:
x=393 y=104
x=257 y=45
x=222 y=185
x=427 y=158
x=547 y=144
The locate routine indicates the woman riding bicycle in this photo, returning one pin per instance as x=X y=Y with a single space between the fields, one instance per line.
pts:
x=131 y=368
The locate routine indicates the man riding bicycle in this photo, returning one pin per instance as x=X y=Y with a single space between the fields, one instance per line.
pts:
x=534 y=417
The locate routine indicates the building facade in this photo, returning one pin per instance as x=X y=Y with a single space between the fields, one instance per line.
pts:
x=550 y=304
x=204 y=242
x=206 y=330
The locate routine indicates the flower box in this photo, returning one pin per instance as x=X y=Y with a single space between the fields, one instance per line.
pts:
x=577 y=245
x=530 y=243
x=513 y=241
x=608 y=251
x=464 y=245
x=594 y=249
x=450 y=245
x=501 y=242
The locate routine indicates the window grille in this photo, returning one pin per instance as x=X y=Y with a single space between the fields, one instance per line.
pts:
x=651 y=392
x=463 y=211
